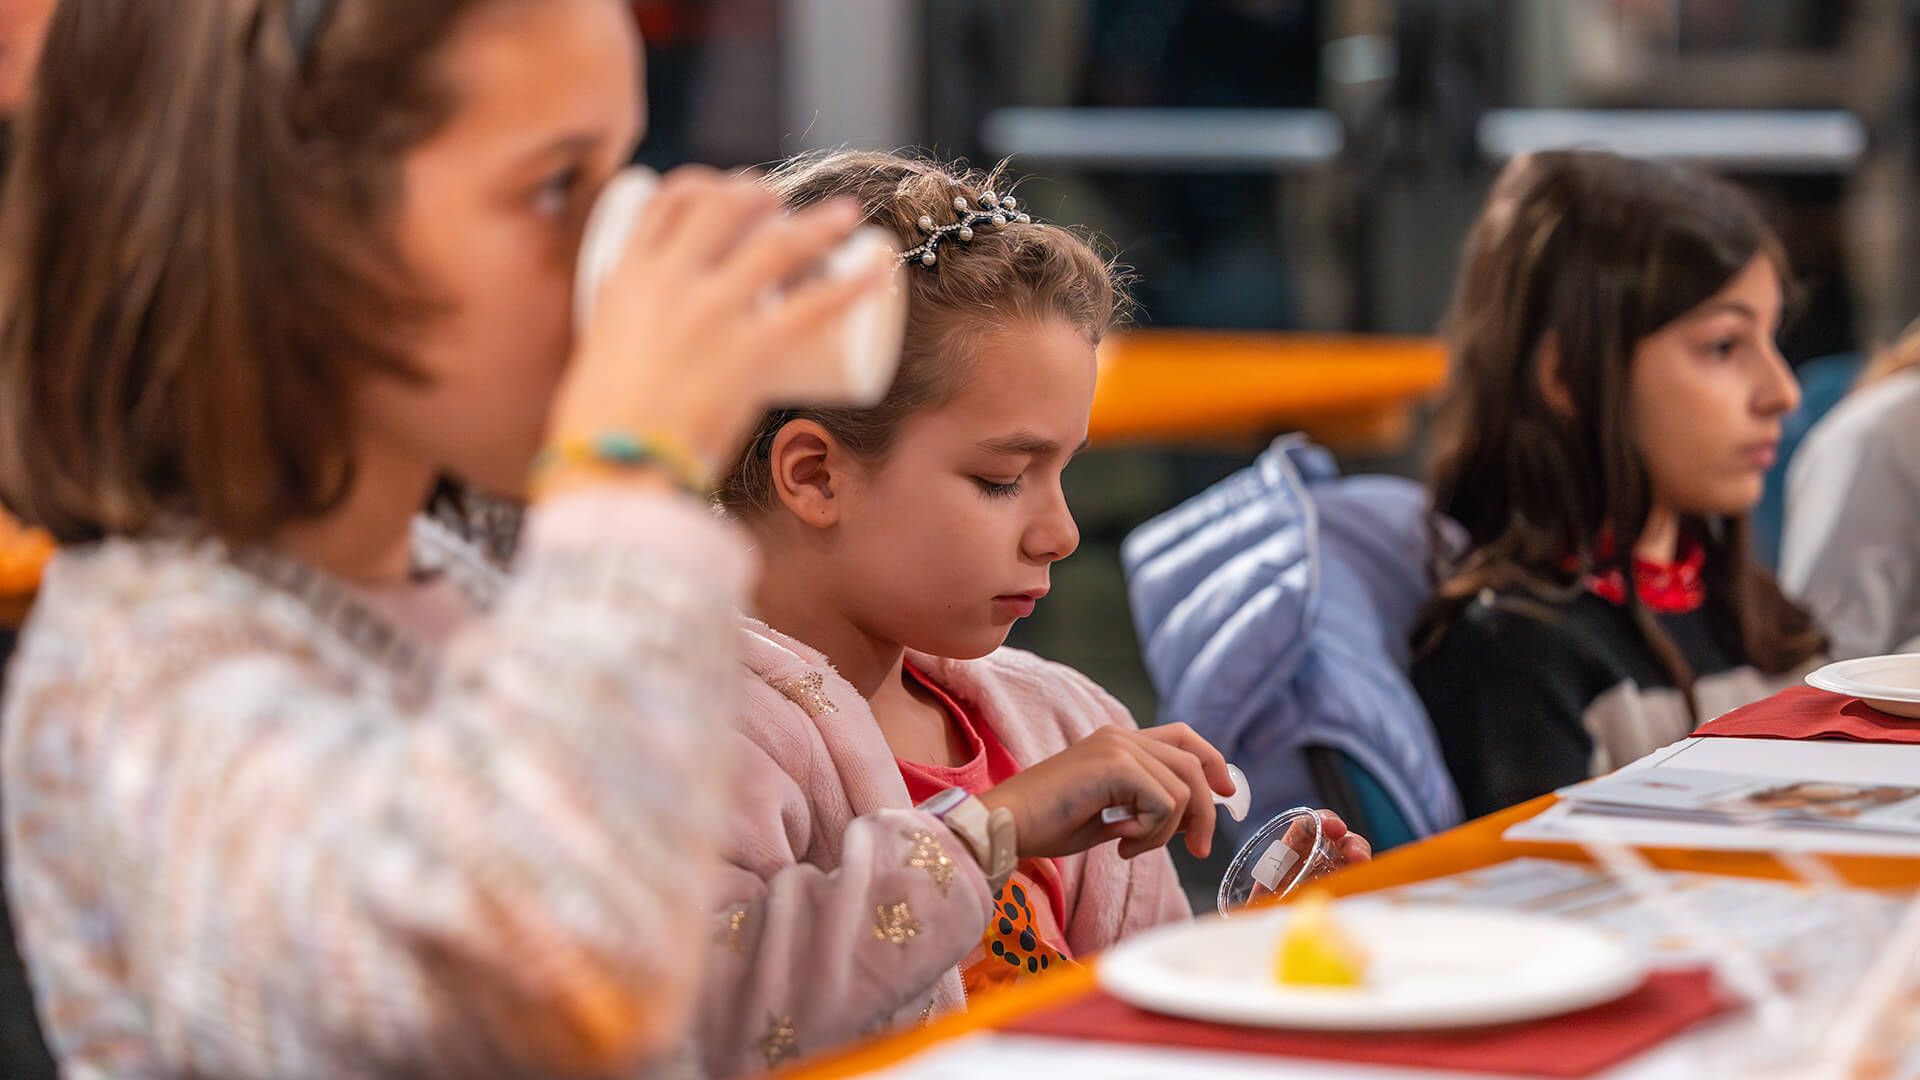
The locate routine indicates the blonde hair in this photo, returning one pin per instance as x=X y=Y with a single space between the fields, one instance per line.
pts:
x=1006 y=276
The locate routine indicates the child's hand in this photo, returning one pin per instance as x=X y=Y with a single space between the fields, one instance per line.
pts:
x=1348 y=847
x=680 y=341
x=1164 y=775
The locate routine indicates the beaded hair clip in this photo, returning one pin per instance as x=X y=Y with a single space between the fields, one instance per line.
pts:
x=994 y=210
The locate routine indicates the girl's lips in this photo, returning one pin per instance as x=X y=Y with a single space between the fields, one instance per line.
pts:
x=1018 y=605
x=1762 y=455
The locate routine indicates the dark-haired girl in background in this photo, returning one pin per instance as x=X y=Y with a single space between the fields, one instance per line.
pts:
x=1615 y=404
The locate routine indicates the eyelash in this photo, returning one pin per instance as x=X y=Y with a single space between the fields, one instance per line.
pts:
x=561 y=186
x=993 y=490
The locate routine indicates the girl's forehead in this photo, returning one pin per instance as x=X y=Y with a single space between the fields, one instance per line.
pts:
x=1038 y=380
x=1754 y=293
x=1037 y=366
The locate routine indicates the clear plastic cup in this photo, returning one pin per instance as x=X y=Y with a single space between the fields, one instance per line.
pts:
x=1284 y=854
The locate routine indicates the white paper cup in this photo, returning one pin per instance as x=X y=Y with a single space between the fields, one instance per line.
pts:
x=853 y=364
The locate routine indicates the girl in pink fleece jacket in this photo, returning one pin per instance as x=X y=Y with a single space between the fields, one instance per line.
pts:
x=920 y=813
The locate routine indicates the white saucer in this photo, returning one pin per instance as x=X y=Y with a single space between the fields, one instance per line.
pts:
x=1888 y=683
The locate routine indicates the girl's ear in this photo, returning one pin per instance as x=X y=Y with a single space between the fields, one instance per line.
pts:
x=1553 y=388
x=809 y=472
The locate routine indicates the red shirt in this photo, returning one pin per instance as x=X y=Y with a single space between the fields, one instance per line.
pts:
x=1026 y=943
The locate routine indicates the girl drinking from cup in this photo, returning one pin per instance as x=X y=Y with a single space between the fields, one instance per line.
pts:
x=294 y=784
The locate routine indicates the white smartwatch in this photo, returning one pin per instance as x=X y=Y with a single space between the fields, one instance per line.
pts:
x=990 y=836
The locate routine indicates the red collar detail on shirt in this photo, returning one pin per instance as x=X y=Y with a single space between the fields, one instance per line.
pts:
x=1675 y=588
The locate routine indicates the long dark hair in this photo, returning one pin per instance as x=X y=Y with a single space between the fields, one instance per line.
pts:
x=1595 y=252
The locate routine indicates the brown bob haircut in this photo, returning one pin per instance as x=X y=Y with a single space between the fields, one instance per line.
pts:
x=197 y=260
x=1003 y=277
x=1597 y=252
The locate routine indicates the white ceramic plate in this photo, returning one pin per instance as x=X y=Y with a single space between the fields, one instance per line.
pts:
x=1888 y=683
x=1431 y=967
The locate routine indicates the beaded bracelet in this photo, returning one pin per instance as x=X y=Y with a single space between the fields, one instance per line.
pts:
x=621 y=452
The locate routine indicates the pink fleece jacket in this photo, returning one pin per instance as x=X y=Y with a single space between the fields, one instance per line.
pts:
x=845 y=912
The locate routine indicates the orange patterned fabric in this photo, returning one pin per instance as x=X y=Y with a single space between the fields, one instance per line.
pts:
x=1021 y=941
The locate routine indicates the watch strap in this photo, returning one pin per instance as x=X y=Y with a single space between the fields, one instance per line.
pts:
x=989 y=836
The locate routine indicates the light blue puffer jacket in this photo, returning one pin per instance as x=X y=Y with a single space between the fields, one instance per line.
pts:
x=1274 y=611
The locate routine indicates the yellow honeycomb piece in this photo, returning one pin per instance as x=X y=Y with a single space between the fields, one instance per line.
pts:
x=1315 y=951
